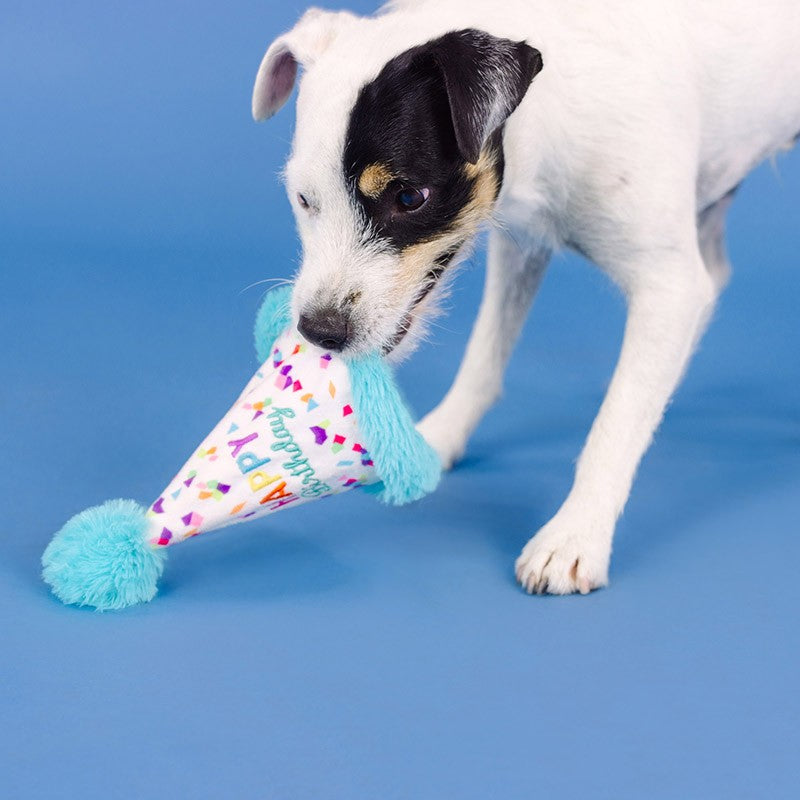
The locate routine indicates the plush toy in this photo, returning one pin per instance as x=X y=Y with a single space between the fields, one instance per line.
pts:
x=308 y=425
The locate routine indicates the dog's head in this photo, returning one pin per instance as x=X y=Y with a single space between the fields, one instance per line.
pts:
x=395 y=163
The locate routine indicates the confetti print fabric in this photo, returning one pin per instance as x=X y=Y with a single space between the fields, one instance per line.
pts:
x=292 y=436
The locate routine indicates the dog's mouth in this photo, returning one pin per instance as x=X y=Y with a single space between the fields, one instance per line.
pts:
x=431 y=280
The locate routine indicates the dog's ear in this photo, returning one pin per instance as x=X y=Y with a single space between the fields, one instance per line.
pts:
x=486 y=78
x=300 y=46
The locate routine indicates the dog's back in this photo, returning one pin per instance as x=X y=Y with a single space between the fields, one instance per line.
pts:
x=748 y=77
x=723 y=71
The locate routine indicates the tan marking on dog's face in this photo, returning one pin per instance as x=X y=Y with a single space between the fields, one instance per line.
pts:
x=417 y=260
x=374 y=179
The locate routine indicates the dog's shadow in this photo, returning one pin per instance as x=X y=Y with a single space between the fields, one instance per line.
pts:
x=720 y=447
x=716 y=452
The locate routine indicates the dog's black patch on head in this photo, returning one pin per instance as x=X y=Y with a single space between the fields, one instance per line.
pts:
x=401 y=126
x=424 y=142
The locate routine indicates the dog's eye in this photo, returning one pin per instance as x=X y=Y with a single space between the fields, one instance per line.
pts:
x=301 y=199
x=412 y=199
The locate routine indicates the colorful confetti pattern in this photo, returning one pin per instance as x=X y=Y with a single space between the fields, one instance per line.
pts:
x=292 y=436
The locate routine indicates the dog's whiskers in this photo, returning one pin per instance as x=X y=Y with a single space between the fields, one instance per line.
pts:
x=277 y=281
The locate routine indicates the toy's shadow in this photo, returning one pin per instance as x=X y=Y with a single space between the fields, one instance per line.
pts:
x=259 y=564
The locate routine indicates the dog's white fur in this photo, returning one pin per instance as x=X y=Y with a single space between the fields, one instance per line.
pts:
x=626 y=147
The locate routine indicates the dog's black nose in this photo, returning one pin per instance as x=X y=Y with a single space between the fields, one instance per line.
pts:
x=326 y=328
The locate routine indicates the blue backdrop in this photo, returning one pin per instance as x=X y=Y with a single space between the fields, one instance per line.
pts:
x=348 y=650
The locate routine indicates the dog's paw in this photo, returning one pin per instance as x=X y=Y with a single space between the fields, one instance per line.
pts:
x=564 y=558
x=443 y=436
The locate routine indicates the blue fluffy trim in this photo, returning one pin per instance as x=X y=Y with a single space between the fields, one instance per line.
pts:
x=100 y=558
x=272 y=320
x=407 y=465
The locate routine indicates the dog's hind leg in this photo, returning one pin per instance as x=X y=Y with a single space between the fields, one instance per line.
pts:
x=513 y=275
x=670 y=298
x=711 y=238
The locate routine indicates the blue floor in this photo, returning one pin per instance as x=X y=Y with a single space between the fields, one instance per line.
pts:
x=348 y=650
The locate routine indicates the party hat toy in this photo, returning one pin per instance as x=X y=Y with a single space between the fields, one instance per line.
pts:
x=308 y=425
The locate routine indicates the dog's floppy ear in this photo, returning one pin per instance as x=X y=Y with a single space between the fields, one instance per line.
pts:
x=300 y=46
x=486 y=78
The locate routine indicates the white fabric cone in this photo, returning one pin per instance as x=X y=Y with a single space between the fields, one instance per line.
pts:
x=292 y=436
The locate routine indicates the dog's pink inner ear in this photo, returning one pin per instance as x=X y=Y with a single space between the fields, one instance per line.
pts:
x=274 y=82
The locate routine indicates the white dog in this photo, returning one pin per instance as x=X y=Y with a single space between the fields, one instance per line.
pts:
x=618 y=128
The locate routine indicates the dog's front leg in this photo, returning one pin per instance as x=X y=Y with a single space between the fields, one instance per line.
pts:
x=513 y=275
x=667 y=310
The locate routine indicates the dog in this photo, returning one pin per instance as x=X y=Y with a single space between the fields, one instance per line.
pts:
x=619 y=129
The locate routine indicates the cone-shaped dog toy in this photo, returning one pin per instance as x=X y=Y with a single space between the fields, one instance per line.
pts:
x=308 y=425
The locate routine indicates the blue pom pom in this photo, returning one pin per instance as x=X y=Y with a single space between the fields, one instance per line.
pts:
x=101 y=558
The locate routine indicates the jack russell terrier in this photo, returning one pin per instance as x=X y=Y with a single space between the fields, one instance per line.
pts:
x=619 y=129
